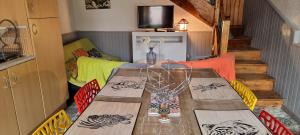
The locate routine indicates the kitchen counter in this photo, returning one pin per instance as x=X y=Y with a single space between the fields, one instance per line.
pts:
x=14 y=62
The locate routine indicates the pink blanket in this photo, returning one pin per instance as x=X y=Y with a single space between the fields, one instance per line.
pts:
x=224 y=65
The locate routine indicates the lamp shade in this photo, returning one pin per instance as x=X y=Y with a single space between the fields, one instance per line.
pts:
x=183 y=25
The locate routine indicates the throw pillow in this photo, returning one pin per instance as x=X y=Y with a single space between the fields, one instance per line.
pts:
x=94 y=53
x=80 y=52
x=71 y=67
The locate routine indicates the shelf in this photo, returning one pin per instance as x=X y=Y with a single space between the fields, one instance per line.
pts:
x=14 y=62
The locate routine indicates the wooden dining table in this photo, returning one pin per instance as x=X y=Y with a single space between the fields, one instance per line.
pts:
x=147 y=125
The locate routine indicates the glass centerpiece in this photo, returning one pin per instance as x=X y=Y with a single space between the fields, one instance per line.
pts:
x=165 y=87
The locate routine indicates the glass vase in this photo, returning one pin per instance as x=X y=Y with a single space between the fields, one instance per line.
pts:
x=151 y=57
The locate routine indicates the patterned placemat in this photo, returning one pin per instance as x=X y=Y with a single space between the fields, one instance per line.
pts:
x=237 y=122
x=212 y=89
x=123 y=87
x=106 y=118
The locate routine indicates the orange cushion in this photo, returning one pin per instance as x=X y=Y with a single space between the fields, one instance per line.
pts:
x=224 y=65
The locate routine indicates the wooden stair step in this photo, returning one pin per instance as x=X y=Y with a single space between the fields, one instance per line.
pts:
x=256 y=81
x=237 y=30
x=246 y=53
x=268 y=98
x=239 y=42
x=250 y=66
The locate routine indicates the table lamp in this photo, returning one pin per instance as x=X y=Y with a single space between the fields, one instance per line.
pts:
x=183 y=25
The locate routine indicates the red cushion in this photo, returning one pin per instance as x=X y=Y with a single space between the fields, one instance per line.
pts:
x=80 y=52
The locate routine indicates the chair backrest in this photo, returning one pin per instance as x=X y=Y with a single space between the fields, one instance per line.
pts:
x=274 y=124
x=247 y=95
x=86 y=94
x=55 y=125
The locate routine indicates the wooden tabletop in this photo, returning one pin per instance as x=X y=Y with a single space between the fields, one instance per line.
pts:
x=188 y=119
x=187 y=122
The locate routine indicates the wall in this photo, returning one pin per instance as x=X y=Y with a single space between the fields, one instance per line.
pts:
x=65 y=16
x=289 y=11
x=110 y=29
x=118 y=43
x=123 y=16
x=273 y=36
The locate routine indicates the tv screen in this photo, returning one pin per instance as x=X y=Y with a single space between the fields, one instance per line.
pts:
x=155 y=16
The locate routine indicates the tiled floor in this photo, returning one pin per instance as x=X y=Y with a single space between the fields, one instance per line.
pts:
x=277 y=112
x=72 y=112
x=283 y=117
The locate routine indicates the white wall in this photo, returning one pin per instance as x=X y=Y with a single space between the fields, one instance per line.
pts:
x=123 y=16
x=65 y=16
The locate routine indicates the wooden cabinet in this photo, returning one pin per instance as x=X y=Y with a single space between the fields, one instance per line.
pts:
x=8 y=119
x=16 y=8
x=50 y=60
x=33 y=90
x=24 y=82
x=42 y=8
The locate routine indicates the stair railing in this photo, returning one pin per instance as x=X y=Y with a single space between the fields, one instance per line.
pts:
x=221 y=30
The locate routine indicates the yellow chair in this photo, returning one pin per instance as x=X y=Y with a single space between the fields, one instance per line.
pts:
x=56 y=125
x=247 y=95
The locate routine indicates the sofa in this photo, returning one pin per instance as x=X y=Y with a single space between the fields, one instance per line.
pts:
x=81 y=70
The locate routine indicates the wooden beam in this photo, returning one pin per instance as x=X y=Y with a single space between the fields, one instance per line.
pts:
x=225 y=36
x=215 y=41
x=187 y=6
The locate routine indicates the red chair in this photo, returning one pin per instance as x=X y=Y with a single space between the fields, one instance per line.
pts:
x=86 y=94
x=273 y=124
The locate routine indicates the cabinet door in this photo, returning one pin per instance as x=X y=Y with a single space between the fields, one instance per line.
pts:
x=8 y=119
x=42 y=8
x=50 y=59
x=27 y=95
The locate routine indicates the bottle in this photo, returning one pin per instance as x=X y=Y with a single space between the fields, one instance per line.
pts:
x=151 y=57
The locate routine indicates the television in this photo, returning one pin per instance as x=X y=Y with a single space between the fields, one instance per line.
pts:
x=155 y=17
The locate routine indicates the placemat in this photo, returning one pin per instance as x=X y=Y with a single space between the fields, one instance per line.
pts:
x=212 y=89
x=106 y=118
x=123 y=88
x=235 y=122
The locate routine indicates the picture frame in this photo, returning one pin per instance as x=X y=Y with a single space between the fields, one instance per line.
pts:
x=97 y=4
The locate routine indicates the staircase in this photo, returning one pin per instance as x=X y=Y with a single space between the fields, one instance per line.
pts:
x=251 y=70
